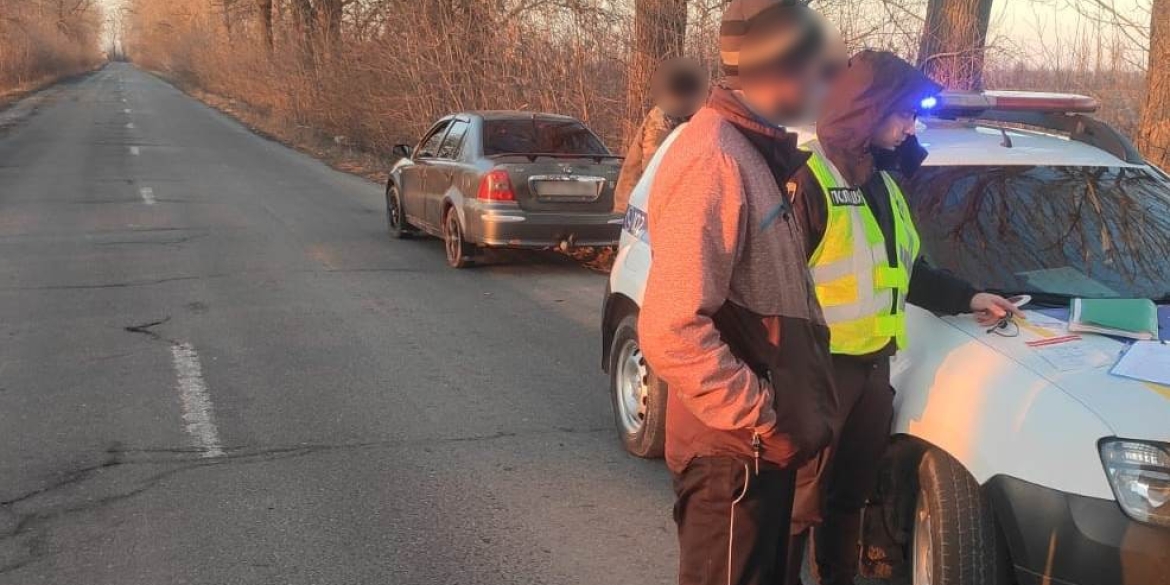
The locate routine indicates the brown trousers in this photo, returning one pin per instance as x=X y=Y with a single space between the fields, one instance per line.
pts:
x=832 y=489
x=732 y=522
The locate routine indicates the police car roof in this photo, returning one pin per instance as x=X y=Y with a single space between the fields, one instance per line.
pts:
x=970 y=144
x=960 y=143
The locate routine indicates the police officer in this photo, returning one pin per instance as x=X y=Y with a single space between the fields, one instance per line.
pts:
x=866 y=265
x=679 y=88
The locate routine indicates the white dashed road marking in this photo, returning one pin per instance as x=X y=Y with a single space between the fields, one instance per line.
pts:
x=134 y=151
x=147 y=195
x=197 y=409
x=130 y=125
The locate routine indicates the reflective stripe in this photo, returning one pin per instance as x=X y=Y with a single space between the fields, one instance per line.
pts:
x=855 y=283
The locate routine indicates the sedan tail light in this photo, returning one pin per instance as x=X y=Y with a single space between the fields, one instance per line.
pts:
x=496 y=186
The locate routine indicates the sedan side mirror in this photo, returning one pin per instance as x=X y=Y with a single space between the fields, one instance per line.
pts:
x=402 y=150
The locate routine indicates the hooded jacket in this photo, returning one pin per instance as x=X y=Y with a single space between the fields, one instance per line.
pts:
x=875 y=85
x=729 y=318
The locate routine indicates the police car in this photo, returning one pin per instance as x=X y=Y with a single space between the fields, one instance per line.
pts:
x=1015 y=456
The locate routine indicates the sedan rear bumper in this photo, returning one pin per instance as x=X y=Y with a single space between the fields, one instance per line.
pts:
x=515 y=228
x=1065 y=539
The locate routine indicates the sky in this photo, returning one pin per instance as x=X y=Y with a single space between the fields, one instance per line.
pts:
x=1032 y=24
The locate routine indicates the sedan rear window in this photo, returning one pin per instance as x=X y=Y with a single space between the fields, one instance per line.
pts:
x=540 y=136
x=1069 y=231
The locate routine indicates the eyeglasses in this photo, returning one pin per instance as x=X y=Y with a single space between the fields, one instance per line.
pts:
x=1006 y=327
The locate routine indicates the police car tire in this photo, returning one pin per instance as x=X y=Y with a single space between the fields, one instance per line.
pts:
x=967 y=546
x=649 y=442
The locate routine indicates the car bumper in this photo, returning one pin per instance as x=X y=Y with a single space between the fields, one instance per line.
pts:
x=514 y=228
x=1060 y=538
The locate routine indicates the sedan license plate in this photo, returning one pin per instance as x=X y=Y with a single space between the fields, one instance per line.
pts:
x=566 y=188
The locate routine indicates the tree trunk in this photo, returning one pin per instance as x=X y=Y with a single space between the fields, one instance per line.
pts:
x=226 y=13
x=265 y=8
x=660 y=28
x=305 y=17
x=1154 y=133
x=331 y=13
x=954 y=41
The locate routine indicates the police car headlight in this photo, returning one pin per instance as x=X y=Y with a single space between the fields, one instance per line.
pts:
x=1140 y=476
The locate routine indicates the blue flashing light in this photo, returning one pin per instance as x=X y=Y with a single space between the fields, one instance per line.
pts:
x=928 y=103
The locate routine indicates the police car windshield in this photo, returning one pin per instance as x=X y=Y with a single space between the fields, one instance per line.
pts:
x=1057 y=231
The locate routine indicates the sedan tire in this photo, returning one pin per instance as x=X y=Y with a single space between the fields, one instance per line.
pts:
x=396 y=222
x=639 y=397
x=955 y=539
x=459 y=252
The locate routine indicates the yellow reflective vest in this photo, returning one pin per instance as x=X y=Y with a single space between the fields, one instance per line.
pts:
x=862 y=292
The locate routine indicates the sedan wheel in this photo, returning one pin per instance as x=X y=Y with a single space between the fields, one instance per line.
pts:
x=458 y=252
x=395 y=216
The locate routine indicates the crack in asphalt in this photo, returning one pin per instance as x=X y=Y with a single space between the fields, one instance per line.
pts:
x=181 y=240
x=167 y=280
x=145 y=329
x=30 y=525
x=122 y=284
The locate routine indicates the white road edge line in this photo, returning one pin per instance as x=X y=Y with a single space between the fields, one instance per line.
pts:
x=197 y=409
x=147 y=195
x=134 y=151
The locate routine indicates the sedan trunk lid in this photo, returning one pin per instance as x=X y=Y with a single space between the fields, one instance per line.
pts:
x=562 y=184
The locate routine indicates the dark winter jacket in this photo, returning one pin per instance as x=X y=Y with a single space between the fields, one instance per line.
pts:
x=875 y=85
x=651 y=134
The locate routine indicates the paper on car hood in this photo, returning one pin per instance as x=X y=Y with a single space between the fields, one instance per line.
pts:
x=1133 y=409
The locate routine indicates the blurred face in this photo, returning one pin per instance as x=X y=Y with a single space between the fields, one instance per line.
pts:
x=894 y=130
x=787 y=97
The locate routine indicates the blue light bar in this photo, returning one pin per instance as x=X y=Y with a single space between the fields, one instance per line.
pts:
x=928 y=103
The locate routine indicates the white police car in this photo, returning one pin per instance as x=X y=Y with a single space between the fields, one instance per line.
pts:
x=1010 y=461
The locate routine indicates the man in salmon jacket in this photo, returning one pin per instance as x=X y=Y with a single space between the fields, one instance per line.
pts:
x=729 y=318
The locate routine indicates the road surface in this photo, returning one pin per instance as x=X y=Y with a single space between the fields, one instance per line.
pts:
x=215 y=368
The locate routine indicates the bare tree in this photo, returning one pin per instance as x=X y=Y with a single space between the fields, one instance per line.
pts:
x=954 y=41
x=660 y=28
x=1154 y=132
x=264 y=7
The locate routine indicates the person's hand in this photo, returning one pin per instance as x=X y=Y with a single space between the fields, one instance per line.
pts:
x=990 y=309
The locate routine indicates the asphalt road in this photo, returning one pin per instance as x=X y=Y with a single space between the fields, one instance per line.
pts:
x=314 y=403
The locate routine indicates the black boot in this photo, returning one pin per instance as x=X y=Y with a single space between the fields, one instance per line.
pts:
x=837 y=548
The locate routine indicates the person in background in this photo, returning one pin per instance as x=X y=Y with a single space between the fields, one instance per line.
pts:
x=678 y=87
x=729 y=318
x=865 y=261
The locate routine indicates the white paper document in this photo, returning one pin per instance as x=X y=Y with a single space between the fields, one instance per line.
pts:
x=1072 y=356
x=1146 y=360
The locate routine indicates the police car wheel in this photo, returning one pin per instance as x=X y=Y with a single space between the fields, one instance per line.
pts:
x=955 y=539
x=639 y=397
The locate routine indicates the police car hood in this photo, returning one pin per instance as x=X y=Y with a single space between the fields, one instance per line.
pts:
x=1131 y=408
